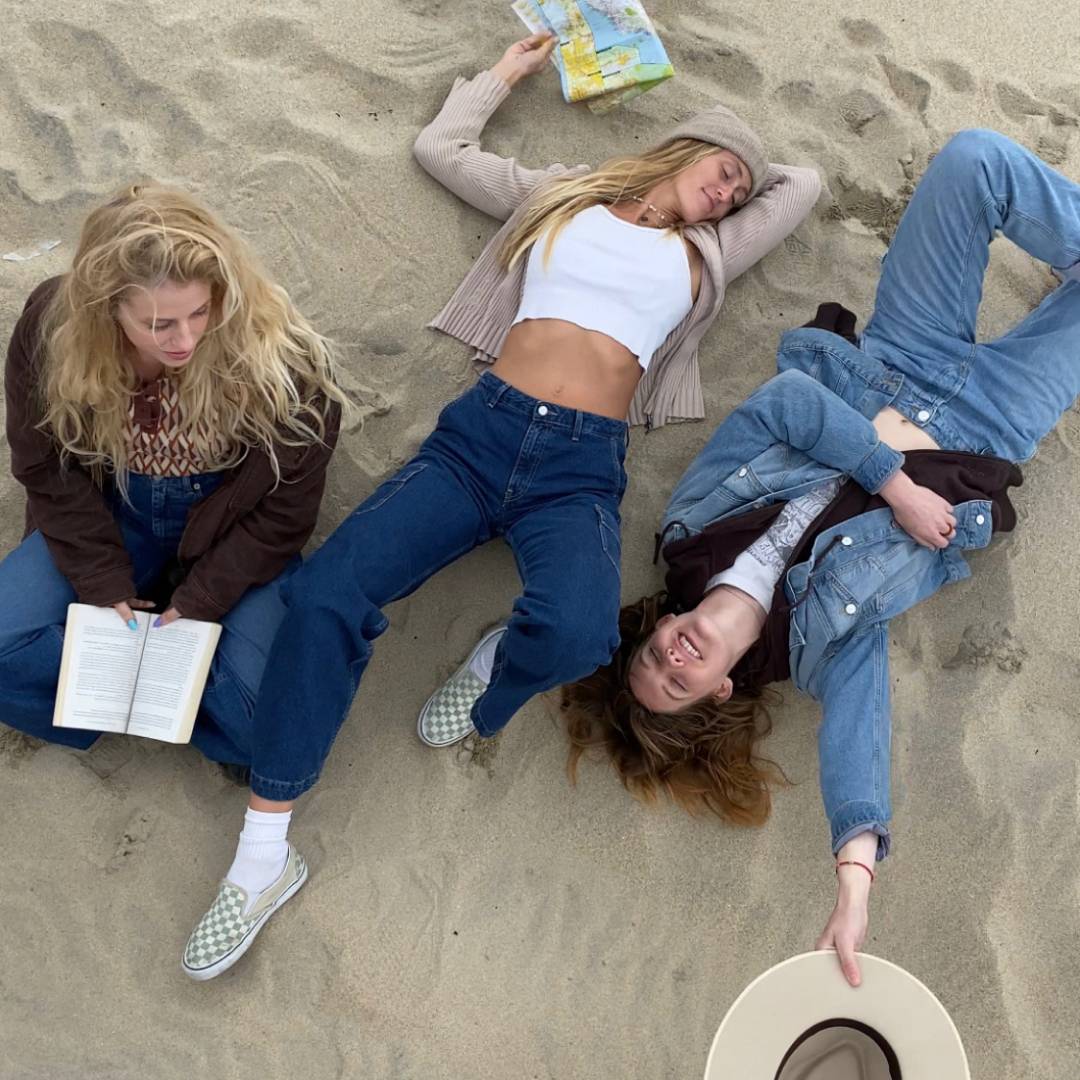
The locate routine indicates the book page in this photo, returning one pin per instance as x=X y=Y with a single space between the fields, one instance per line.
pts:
x=98 y=669
x=175 y=663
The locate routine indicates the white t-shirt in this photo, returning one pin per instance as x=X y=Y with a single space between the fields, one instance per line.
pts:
x=757 y=570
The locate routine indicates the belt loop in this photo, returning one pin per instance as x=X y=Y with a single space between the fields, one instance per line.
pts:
x=496 y=397
x=579 y=420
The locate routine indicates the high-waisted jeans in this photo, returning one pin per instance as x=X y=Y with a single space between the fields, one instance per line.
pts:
x=34 y=597
x=548 y=480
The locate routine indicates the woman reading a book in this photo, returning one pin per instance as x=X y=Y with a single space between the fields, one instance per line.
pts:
x=171 y=415
x=591 y=301
x=840 y=494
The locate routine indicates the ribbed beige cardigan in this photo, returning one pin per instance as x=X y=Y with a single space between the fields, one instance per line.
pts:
x=483 y=307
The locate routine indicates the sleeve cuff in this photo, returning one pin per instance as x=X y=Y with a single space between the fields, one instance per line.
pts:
x=879 y=466
x=488 y=89
x=107 y=589
x=843 y=835
x=193 y=603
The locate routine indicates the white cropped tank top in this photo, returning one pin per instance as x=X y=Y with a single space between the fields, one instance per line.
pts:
x=627 y=281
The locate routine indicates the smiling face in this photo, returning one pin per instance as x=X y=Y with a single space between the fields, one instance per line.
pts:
x=684 y=660
x=712 y=188
x=164 y=324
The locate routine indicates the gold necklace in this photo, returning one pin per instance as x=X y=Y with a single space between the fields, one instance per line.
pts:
x=658 y=213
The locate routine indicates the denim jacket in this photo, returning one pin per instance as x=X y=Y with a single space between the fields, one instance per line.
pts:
x=810 y=423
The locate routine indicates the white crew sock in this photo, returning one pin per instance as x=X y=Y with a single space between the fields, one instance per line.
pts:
x=261 y=853
x=482 y=663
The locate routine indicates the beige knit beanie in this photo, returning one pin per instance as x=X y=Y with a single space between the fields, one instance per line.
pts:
x=721 y=127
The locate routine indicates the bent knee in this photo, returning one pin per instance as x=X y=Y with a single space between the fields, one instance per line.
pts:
x=573 y=646
x=973 y=145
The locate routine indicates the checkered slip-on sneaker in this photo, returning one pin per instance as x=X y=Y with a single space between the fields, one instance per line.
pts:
x=225 y=933
x=447 y=717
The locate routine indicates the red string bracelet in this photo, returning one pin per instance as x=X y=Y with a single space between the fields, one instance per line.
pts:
x=855 y=862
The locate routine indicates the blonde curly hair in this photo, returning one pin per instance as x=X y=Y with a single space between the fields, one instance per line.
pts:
x=260 y=377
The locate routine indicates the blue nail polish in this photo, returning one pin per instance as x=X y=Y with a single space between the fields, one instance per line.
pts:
x=132 y=624
x=157 y=622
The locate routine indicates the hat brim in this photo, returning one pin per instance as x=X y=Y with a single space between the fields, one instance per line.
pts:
x=789 y=999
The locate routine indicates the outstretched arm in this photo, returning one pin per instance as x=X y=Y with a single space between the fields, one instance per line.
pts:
x=449 y=147
x=853 y=760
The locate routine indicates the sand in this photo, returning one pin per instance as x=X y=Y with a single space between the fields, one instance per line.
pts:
x=467 y=919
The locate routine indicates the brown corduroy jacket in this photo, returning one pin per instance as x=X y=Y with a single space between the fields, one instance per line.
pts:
x=240 y=536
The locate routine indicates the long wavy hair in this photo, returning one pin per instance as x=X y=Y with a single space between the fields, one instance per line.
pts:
x=556 y=201
x=704 y=757
x=260 y=377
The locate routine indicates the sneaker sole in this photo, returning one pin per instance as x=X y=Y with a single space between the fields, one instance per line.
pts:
x=226 y=962
x=500 y=629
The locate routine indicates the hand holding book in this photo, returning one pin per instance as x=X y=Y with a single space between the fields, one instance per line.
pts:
x=148 y=683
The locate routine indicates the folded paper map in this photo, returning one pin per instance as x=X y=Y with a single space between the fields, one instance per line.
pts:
x=608 y=50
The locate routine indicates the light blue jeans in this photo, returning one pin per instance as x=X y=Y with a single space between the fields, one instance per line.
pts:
x=34 y=597
x=918 y=354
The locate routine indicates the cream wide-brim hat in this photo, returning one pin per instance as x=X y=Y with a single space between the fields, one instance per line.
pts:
x=776 y=1010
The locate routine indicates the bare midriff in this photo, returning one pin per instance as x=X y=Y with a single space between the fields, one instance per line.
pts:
x=559 y=362
x=900 y=433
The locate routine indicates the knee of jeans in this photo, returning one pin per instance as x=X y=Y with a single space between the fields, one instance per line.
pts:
x=972 y=145
x=24 y=654
x=573 y=643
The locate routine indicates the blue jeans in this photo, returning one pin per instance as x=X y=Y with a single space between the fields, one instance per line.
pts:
x=548 y=480
x=34 y=597
x=1001 y=396
x=920 y=356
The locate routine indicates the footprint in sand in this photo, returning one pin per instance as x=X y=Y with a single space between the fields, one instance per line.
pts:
x=135 y=834
x=912 y=89
x=107 y=756
x=728 y=65
x=15 y=747
x=862 y=32
x=983 y=645
x=1018 y=104
x=955 y=76
x=859 y=108
x=878 y=210
x=479 y=753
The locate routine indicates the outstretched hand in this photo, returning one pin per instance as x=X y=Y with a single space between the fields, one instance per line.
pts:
x=525 y=57
x=923 y=514
x=845 y=932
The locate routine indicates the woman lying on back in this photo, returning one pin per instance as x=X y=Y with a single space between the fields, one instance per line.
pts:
x=837 y=496
x=591 y=300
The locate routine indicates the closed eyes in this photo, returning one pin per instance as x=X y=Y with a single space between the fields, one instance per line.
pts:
x=164 y=324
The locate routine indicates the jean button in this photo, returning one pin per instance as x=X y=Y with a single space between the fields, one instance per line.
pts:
x=742 y=471
x=846 y=541
x=542 y=410
x=922 y=416
x=980 y=519
x=196 y=487
x=850 y=608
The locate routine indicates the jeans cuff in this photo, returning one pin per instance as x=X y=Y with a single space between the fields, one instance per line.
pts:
x=281 y=790
x=860 y=817
x=880 y=465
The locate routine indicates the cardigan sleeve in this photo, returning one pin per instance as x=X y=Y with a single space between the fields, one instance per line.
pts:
x=449 y=149
x=782 y=204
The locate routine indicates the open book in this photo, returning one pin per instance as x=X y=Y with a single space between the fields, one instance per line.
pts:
x=143 y=682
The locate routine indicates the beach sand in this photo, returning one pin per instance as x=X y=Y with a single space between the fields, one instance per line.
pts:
x=474 y=919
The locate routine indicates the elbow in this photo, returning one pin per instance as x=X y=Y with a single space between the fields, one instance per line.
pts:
x=422 y=149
